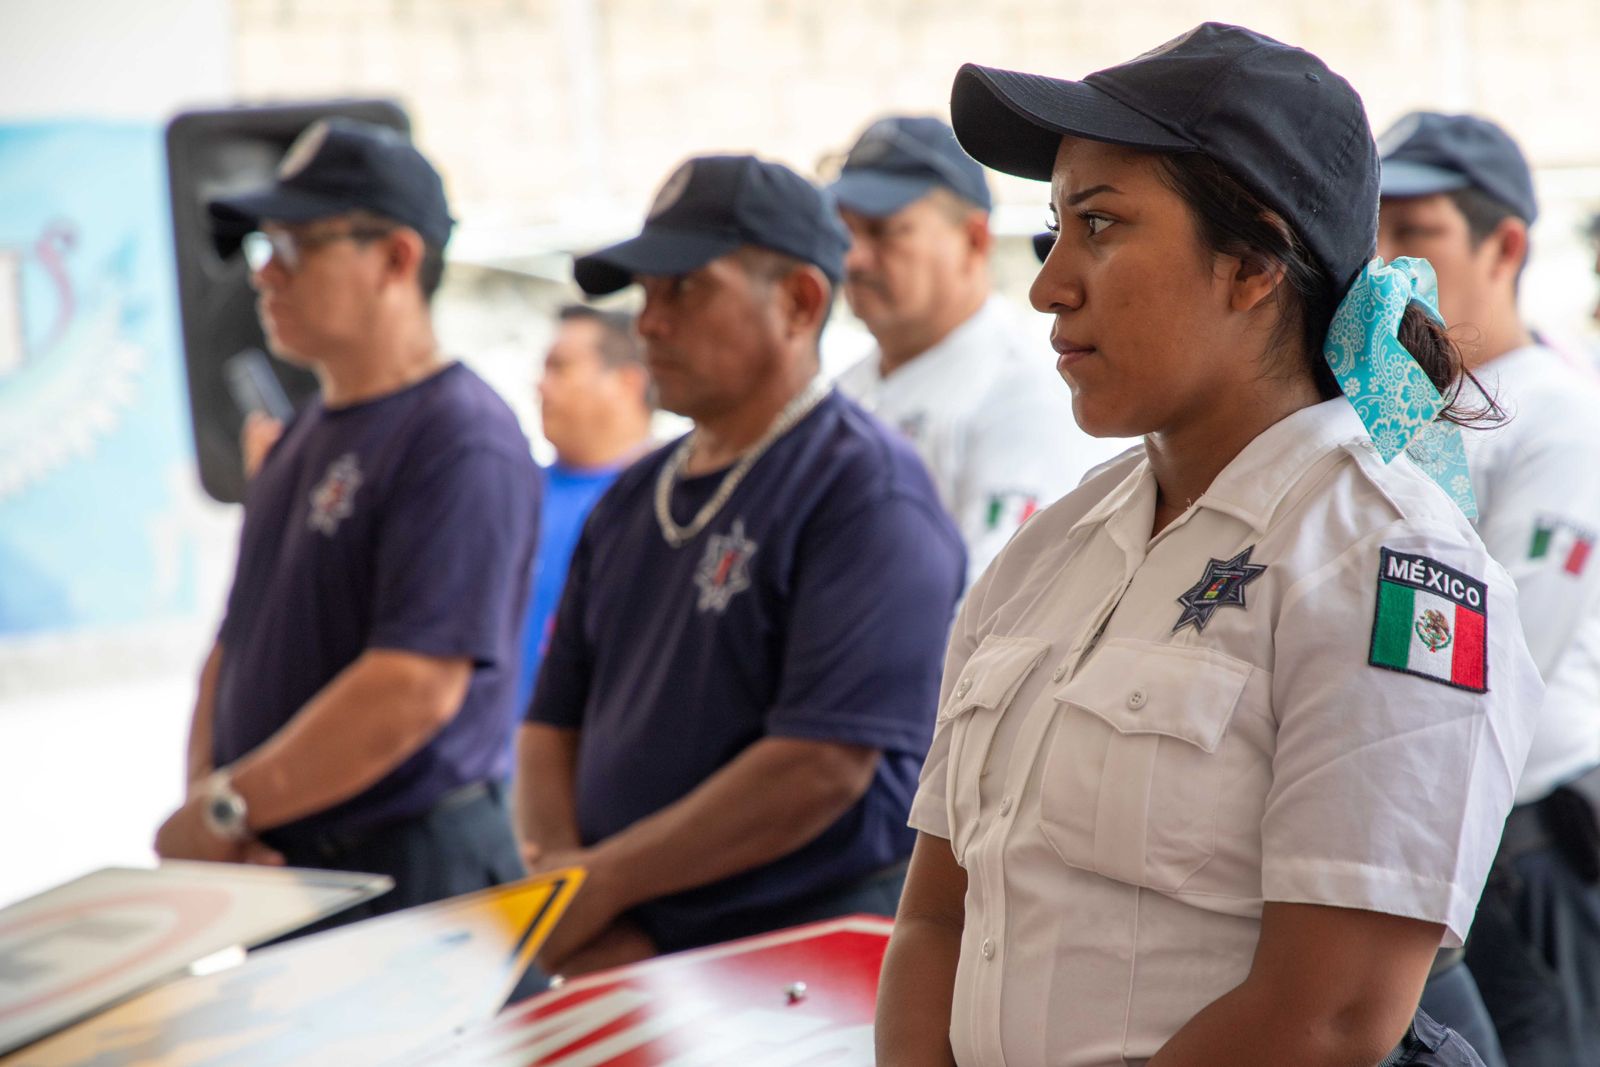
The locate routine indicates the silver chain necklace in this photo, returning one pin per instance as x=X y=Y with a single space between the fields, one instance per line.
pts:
x=678 y=536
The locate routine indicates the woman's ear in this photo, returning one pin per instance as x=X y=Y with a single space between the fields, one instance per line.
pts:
x=1256 y=277
x=1254 y=280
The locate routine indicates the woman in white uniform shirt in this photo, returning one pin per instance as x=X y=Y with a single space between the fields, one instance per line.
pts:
x=1227 y=735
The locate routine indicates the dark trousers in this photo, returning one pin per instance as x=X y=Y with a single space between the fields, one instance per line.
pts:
x=464 y=844
x=876 y=894
x=1535 y=951
x=1429 y=1044
x=1452 y=997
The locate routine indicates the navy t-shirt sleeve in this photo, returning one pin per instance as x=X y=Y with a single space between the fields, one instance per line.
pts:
x=452 y=559
x=874 y=592
x=562 y=687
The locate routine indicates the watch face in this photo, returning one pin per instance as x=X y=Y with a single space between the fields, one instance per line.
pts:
x=224 y=812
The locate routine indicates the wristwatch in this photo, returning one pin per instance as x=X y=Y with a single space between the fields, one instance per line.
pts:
x=222 y=809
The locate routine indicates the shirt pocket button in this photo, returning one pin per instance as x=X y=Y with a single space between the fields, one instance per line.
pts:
x=1136 y=699
x=988 y=948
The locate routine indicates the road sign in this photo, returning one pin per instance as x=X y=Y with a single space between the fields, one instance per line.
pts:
x=73 y=950
x=798 y=998
x=364 y=994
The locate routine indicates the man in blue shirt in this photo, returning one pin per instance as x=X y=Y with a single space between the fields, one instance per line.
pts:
x=594 y=406
x=741 y=682
x=357 y=709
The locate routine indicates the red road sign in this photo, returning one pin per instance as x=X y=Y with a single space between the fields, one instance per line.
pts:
x=797 y=998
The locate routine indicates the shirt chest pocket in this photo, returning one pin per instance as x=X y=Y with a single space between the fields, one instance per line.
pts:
x=982 y=694
x=1135 y=767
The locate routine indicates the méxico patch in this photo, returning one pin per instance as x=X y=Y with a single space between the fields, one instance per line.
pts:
x=1561 y=542
x=1431 y=620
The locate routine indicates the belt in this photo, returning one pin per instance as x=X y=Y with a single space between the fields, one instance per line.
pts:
x=331 y=843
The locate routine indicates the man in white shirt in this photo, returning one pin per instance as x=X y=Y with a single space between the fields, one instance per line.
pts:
x=954 y=368
x=1457 y=191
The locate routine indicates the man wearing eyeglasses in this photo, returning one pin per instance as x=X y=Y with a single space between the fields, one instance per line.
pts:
x=356 y=711
x=954 y=370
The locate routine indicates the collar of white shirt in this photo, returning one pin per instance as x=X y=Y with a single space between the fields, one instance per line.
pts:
x=948 y=357
x=1253 y=483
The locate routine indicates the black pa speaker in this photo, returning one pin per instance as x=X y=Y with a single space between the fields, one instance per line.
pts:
x=211 y=154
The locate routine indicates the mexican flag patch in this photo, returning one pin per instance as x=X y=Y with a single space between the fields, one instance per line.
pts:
x=1561 y=542
x=1431 y=621
x=1010 y=510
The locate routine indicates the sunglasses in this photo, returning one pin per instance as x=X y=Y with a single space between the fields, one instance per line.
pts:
x=288 y=248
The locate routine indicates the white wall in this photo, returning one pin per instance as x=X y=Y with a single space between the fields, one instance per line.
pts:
x=112 y=58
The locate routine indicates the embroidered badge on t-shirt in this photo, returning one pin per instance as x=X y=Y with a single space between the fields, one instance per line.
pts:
x=724 y=570
x=1559 y=541
x=1222 y=585
x=333 y=500
x=1431 y=621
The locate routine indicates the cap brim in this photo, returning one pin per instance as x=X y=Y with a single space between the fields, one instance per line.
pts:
x=1401 y=177
x=234 y=216
x=1014 y=122
x=876 y=194
x=655 y=251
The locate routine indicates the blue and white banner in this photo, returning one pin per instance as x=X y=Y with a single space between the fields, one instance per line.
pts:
x=96 y=464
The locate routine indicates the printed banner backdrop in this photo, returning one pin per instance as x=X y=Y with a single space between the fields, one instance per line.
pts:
x=96 y=466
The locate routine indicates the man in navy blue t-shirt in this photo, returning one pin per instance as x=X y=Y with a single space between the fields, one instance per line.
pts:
x=358 y=707
x=742 y=678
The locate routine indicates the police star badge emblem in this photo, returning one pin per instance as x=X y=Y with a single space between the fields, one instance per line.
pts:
x=724 y=570
x=333 y=500
x=1221 y=585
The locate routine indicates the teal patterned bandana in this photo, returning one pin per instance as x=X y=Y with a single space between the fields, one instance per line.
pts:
x=1395 y=398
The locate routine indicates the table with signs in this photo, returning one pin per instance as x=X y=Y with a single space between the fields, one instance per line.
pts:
x=371 y=993
x=75 y=949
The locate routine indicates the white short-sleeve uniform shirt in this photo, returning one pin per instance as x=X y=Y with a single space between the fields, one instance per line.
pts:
x=991 y=419
x=1537 y=479
x=1311 y=687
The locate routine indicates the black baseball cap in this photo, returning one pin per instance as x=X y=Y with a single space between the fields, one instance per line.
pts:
x=900 y=159
x=1427 y=153
x=1274 y=116
x=338 y=165
x=712 y=205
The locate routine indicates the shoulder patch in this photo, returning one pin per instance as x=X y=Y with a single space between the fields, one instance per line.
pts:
x=1432 y=621
x=1557 y=541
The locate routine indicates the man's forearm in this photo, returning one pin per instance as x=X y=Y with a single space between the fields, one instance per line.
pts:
x=199 y=761
x=774 y=798
x=370 y=719
x=546 y=812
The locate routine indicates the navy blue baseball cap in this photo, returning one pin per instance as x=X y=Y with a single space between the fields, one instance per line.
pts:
x=1427 y=153
x=901 y=159
x=335 y=166
x=712 y=205
x=1274 y=116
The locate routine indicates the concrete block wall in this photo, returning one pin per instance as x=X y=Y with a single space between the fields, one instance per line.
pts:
x=546 y=111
